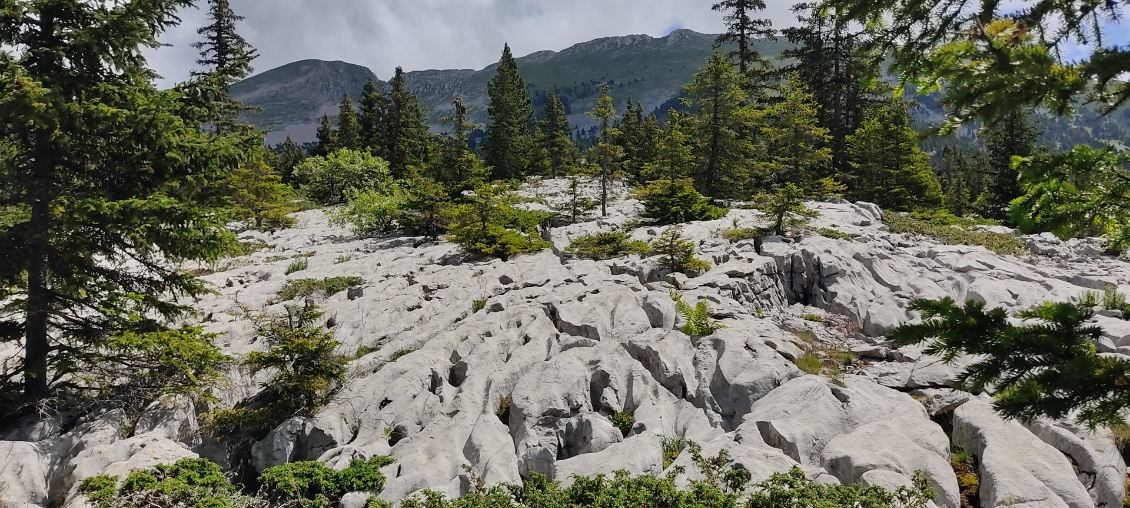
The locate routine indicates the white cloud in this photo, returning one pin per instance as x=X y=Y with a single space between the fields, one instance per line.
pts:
x=434 y=34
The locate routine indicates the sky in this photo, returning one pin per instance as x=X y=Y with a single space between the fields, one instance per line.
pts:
x=434 y=34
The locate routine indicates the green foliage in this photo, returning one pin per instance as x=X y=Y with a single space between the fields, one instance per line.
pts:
x=1082 y=192
x=810 y=363
x=813 y=317
x=313 y=484
x=606 y=246
x=678 y=252
x=348 y=131
x=698 y=322
x=579 y=206
x=997 y=242
x=369 y=212
x=327 y=139
x=623 y=421
x=555 y=137
x=426 y=210
x=508 y=144
x=719 y=129
x=836 y=234
x=402 y=137
x=327 y=287
x=254 y=192
x=796 y=143
x=188 y=482
x=888 y=168
x=330 y=179
x=738 y=234
x=605 y=157
x=1046 y=366
x=676 y=202
x=968 y=482
x=1012 y=136
x=149 y=364
x=345 y=258
x=400 y=353
x=785 y=207
x=503 y=411
x=298 y=265
x=674 y=158
x=489 y=224
x=672 y=447
x=794 y=489
x=478 y=304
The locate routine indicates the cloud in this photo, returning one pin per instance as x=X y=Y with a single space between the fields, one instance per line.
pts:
x=433 y=34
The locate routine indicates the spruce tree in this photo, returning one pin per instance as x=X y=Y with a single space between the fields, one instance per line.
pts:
x=371 y=118
x=327 y=138
x=97 y=162
x=348 y=133
x=722 y=115
x=605 y=156
x=888 y=168
x=453 y=170
x=289 y=159
x=225 y=58
x=745 y=31
x=407 y=138
x=1012 y=136
x=508 y=139
x=675 y=158
x=796 y=144
x=559 y=148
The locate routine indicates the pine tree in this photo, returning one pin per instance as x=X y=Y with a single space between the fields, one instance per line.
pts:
x=290 y=158
x=348 y=133
x=675 y=158
x=646 y=147
x=745 y=31
x=960 y=171
x=453 y=170
x=559 y=148
x=327 y=138
x=722 y=114
x=888 y=167
x=225 y=57
x=407 y=138
x=508 y=139
x=97 y=162
x=834 y=67
x=605 y=156
x=1012 y=136
x=796 y=144
x=371 y=118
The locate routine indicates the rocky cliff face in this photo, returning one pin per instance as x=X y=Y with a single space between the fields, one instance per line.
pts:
x=568 y=343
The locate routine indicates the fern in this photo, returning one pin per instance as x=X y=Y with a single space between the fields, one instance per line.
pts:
x=698 y=319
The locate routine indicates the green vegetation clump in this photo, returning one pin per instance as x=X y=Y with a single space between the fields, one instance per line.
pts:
x=677 y=252
x=330 y=179
x=503 y=411
x=298 y=265
x=836 y=234
x=369 y=212
x=607 y=246
x=313 y=484
x=813 y=317
x=327 y=287
x=676 y=202
x=624 y=422
x=954 y=235
x=489 y=224
x=698 y=322
x=786 y=210
x=738 y=234
x=672 y=447
x=810 y=363
x=478 y=304
x=400 y=353
x=968 y=481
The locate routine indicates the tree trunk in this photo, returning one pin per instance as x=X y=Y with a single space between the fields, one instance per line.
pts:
x=36 y=346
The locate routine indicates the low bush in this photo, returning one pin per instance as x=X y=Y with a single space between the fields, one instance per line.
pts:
x=677 y=201
x=813 y=317
x=836 y=234
x=298 y=265
x=331 y=179
x=313 y=484
x=400 y=353
x=624 y=422
x=369 y=212
x=677 y=252
x=968 y=482
x=327 y=287
x=606 y=246
x=489 y=224
x=738 y=234
x=955 y=235
x=786 y=210
x=672 y=447
x=810 y=363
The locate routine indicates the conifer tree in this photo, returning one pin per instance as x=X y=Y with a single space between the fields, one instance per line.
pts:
x=407 y=138
x=645 y=146
x=722 y=114
x=796 y=144
x=98 y=162
x=745 y=31
x=560 y=151
x=605 y=156
x=453 y=170
x=888 y=167
x=290 y=158
x=327 y=138
x=675 y=158
x=508 y=139
x=225 y=58
x=348 y=133
x=1012 y=136
x=371 y=118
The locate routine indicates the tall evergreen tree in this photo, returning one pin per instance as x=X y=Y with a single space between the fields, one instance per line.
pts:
x=407 y=138
x=796 y=144
x=605 y=156
x=289 y=159
x=831 y=63
x=508 y=140
x=371 y=118
x=97 y=162
x=455 y=167
x=888 y=167
x=961 y=172
x=745 y=31
x=1012 y=136
x=555 y=131
x=348 y=132
x=225 y=58
x=722 y=114
x=327 y=138
x=675 y=158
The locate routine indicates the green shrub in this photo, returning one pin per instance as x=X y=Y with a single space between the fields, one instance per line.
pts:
x=329 y=180
x=606 y=246
x=343 y=259
x=327 y=287
x=738 y=234
x=579 y=207
x=813 y=317
x=298 y=265
x=698 y=322
x=426 y=210
x=950 y=235
x=785 y=207
x=968 y=482
x=810 y=363
x=400 y=353
x=313 y=484
x=677 y=201
x=503 y=411
x=478 y=304
x=489 y=224
x=624 y=422
x=678 y=252
x=369 y=212
x=672 y=447
x=836 y=234
x=256 y=194
x=188 y=482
